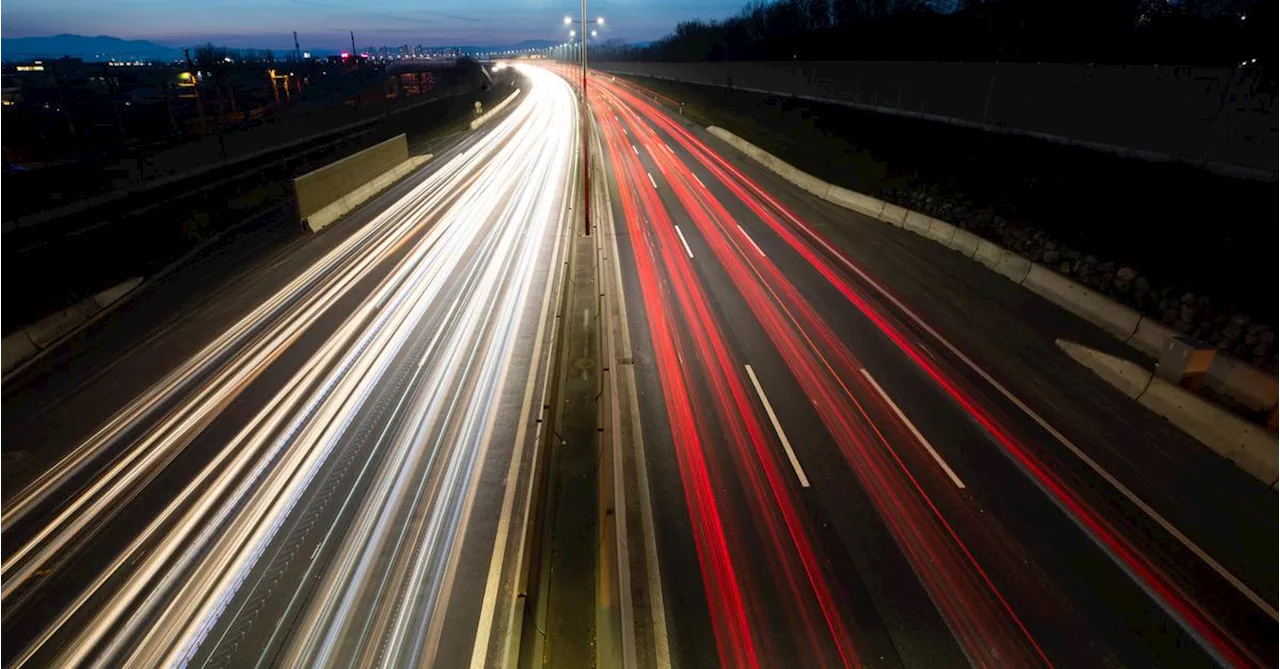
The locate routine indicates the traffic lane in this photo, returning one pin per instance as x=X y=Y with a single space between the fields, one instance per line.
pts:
x=705 y=475
x=202 y=452
x=883 y=595
x=63 y=397
x=167 y=414
x=101 y=547
x=472 y=384
x=302 y=556
x=1203 y=494
x=836 y=497
x=1234 y=624
x=168 y=443
x=1224 y=512
x=474 y=260
x=920 y=636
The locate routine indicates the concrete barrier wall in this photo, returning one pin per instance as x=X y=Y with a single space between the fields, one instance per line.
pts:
x=320 y=188
x=1106 y=313
x=1149 y=337
x=1246 y=444
x=1249 y=446
x=345 y=204
x=1212 y=117
x=1244 y=383
x=485 y=117
x=26 y=343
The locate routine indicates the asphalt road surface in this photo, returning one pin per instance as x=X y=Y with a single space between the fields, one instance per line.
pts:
x=859 y=448
x=322 y=482
x=864 y=449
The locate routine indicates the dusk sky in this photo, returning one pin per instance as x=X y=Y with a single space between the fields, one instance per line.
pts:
x=323 y=24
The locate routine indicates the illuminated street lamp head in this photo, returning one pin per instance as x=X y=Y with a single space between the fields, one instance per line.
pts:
x=572 y=33
x=600 y=20
x=567 y=20
x=594 y=33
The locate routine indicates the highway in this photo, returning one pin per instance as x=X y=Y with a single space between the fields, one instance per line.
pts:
x=858 y=458
x=321 y=482
x=853 y=447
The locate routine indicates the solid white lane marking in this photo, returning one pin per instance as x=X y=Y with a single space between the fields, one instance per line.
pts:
x=911 y=426
x=655 y=184
x=695 y=178
x=753 y=242
x=657 y=609
x=684 y=241
x=773 y=418
x=633 y=148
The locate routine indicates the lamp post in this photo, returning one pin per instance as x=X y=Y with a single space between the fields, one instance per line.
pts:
x=586 y=145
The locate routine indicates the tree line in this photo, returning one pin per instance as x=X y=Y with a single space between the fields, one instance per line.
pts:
x=1172 y=32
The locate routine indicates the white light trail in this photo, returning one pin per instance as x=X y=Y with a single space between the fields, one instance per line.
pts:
x=476 y=231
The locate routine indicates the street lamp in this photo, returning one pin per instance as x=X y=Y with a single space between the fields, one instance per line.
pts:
x=586 y=146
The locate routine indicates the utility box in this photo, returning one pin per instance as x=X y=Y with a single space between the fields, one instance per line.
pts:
x=1185 y=361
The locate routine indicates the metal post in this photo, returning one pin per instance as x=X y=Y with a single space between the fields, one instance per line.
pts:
x=586 y=146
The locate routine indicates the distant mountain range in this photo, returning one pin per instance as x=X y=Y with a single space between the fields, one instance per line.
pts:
x=102 y=47
x=105 y=47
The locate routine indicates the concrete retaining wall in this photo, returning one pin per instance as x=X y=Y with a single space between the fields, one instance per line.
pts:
x=1207 y=116
x=320 y=188
x=1244 y=383
x=26 y=343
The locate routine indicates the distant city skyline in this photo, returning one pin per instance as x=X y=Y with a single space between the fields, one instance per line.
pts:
x=325 y=24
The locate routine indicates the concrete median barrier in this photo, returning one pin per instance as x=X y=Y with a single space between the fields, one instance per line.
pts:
x=320 y=188
x=16 y=348
x=964 y=242
x=1247 y=445
x=989 y=254
x=893 y=214
x=110 y=295
x=917 y=223
x=1102 y=311
x=863 y=204
x=940 y=231
x=1250 y=386
x=1243 y=382
x=1012 y=265
x=488 y=116
x=52 y=327
x=805 y=181
x=351 y=201
x=1149 y=337
x=1252 y=448
x=1129 y=378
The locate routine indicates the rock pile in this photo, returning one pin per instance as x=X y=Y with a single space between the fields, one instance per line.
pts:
x=1187 y=313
